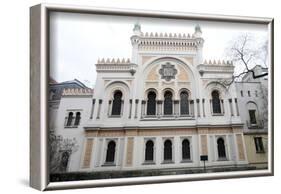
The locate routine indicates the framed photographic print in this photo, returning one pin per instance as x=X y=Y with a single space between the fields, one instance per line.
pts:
x=122 y=97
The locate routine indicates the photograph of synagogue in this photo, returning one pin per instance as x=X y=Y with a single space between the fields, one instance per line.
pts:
x=161 y=112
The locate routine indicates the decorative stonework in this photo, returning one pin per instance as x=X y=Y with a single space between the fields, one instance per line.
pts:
x=106 y=82
x=163 y=132
x=152 y=75
x=204 y=145
x=146 y=58
x=88 y=153
x=116 y=65
x=237 y=130
x=158 y=132
x=130 y=149
x=219 y=130
x=189 y=59
x=111 y=133
x=202 y=130
x=131 y=132
x=240 y=146
x=151 y=85
x=183 y=75
x=129 y=82
x=168 y=71
x=77 y=91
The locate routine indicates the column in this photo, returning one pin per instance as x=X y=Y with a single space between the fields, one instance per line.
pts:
x=136 y=108
x=237 y=108
x=198 y=107
x=130 y=108
x=230 y=106
x=192 y=108
x=99 y=108
x=203 y=106
x=159 y=108
x=176 y=108
x=109 y=107
x=143 y=108
x=211 y=107
x=222 y=105
x=93 y=108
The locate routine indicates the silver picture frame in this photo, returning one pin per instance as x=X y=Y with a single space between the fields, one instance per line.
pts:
x=39 y=74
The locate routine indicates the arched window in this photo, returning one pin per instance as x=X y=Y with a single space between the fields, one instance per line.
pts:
x=117 y=103
x=110 y=153
x=151 y=103
x=216 y=102
x=77 y=119
x=149 y=149
x=168 y=150
x=168 y=103
x=69 y=119
x=221 y=148
x=253 y=118
x=64 y=161
x=184 y=110
x=185 y=150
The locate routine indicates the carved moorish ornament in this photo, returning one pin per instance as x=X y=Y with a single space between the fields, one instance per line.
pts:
x=168 y=71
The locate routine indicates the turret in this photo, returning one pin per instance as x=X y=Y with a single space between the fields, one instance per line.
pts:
x=198 y=31
x=137 y=29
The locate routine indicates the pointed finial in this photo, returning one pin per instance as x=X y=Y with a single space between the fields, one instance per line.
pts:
x=198 y=31
x=137 y=29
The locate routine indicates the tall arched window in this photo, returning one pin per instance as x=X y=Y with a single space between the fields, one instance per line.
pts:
x=151 y=103
x=77 y=119
x=184 y=110
x=168 y=103
x=216 y=102
x=110 y=153
x=168 y=150
x=64 y=161
x=117 y=103
x=185 y=150
x=69 y=119
x=149 y=149
x=221 y=148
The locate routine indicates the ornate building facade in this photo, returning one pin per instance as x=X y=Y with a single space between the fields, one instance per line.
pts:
x=162 y=109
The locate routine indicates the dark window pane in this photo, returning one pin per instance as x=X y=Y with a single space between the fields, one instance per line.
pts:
x=149 y=146
x=151 y=103
x=110 y=153
x=185 y=150
x=252 y=114
x=216 y=102
x=117 y=103
x=69 y=119
x=168 y=103
x=168 y=150
x=184 y=103
x=77 y=118
x=259 y=144
x=221 y=148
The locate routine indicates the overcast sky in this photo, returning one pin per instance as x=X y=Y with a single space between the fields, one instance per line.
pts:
x=77 y=41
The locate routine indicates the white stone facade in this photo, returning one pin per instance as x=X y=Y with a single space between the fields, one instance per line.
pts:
x=159 y=63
